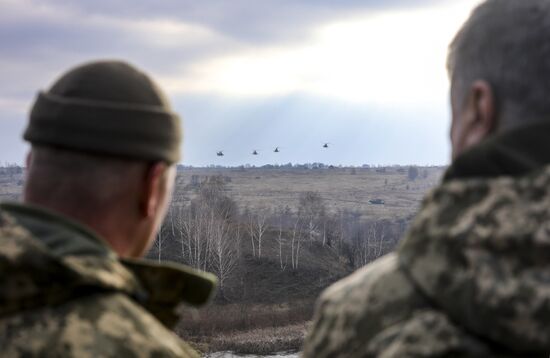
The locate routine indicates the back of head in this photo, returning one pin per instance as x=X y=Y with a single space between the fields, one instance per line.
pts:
x=507 y=44
x=95 y=134
x=83 y=184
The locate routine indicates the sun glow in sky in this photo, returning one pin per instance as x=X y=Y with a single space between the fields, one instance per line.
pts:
x=255 y=74
x=389 y=58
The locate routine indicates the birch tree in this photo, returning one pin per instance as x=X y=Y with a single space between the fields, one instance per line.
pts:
x=257 y=225
x=224 y=252
x=295 y=243
x=311 y=209
x=282 y=221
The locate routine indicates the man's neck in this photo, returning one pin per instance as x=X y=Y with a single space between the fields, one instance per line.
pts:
x=105 y=225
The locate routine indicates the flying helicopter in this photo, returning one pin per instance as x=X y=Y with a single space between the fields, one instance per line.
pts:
x=326 y=145
x=276 y=150
x=220 y=153
x=255 y=152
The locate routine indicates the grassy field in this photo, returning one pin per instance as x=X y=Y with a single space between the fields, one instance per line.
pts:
x=247 y=329
x=340 y=188
x=11 y=185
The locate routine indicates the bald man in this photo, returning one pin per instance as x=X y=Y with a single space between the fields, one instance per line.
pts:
x=104 y=143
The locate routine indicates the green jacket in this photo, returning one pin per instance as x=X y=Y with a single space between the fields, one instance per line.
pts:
x=472 y=276
x=64 y=293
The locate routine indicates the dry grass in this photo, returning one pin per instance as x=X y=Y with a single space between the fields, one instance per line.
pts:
x=243 y=317
x=247 y=329
x=259 y=188
x=11 y=187
x=261 y=341
x=340 y=189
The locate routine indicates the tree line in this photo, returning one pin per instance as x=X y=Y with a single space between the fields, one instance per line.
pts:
x=211 y=233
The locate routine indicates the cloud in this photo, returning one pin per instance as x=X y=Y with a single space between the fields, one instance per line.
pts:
x=209 y=46
x=26 y=27
x=292 y=73
x=248 y=20
x=39 y=41
x=384 y=59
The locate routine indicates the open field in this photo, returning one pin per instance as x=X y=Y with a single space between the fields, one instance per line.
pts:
x=341 y=188
x=11 y=183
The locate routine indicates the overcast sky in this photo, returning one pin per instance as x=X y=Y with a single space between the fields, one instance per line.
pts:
x=367 y=76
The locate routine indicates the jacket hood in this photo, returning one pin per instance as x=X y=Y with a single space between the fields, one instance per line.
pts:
x=480 y=247
x=46 y=259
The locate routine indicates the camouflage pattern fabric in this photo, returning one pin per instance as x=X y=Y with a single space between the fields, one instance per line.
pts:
x=64 y=293
x=470 y=279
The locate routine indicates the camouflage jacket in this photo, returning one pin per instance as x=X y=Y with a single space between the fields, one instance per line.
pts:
x=470 y=279
x=64 y=293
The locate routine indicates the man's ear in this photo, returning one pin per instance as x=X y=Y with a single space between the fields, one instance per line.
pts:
x=153 y=189
x=482 y=107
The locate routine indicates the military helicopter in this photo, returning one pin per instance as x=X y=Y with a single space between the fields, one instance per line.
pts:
x=255 y=152
x=326 y=145
x=276 y=150
x=220 y=153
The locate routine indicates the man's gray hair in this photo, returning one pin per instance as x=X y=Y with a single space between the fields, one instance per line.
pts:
x=506 y=43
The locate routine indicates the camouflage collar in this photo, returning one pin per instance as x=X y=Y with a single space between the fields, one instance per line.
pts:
x=61 y=235
x=479 y=250
x=53 y=248
x=168 y=284
x=514 y=153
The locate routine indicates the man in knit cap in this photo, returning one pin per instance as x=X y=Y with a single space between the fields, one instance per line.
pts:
x=104 y=143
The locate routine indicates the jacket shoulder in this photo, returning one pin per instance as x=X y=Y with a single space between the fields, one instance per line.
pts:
x=426 y=333
x=101 y=325
x=353 y=311
x=377 y=312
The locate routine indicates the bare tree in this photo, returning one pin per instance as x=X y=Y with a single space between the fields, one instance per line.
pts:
x=379 y=232
x=203 y=228
x=250 y=229
x=223 y=251
x=371 y=241
x=312 y=211
x=158 y=244
x=280 y=242
x=195 y=235
x=295 y=243
x=162 y=238
x=257 y=225
x=331 y=232
x=282 y=220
